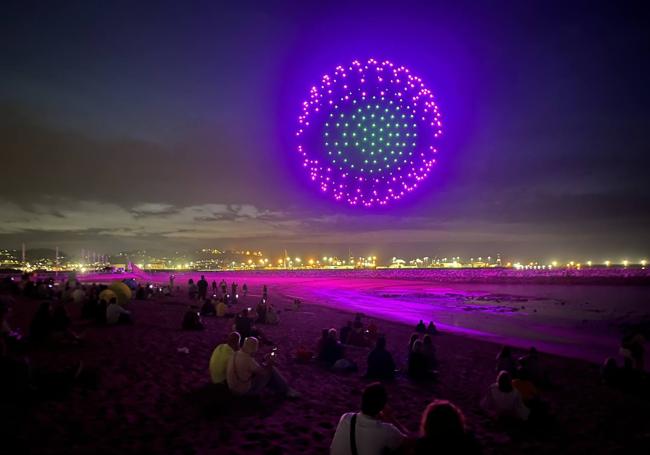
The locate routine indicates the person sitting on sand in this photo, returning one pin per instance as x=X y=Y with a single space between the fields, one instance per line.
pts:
x=245 y=376
x=222 y=309
x=503 y=400
x=526 y=388
x=192 y=289
x=62 y=324
x=344 y=333
x=260 y=309
x=357 y=337
x=431 y=328
x=90 y=306
x=443 y=431
x=373 y=431
x=420 y=327
x=116 y=314
x=100 y=312
x=221 y=356
x=331 y=349
x=192 y=319
x=418 y=365
x=531 y=364
x=380 y=362
x=320 y=342
x=272 y=317
x=505 y=362
x=415 y=337
x=610 y=372
x=244 y=324
x=429 y=351
x=41 y=328
x=208 y=309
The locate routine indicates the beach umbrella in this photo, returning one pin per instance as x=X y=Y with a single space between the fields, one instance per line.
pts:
x=121 y=290
x=106 y=295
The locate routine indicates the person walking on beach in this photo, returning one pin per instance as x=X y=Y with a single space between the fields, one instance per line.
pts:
x=373 y=431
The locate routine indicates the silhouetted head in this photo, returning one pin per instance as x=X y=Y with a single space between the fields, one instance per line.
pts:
x=610 y=363
x=233 y=340
x=417 y=346
x=381 y=343
x=374 y=399
x=250 y=345
x=427 y=340
x=532 y=352
x=331 y=333
x=504 y=353
x=504 y=381
x=413 y=339
x=441 y=421
x=203 y=277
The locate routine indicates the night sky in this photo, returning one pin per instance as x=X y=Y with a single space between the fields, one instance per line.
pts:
x=171 y=125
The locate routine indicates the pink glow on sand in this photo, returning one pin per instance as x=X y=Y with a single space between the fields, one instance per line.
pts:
x=573 y=320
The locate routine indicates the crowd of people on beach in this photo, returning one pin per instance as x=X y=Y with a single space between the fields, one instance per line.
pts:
x=239 y=368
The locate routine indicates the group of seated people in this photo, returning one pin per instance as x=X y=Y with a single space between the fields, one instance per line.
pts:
x=631 y=375
x=355 y=334
x=515 y=394
x=236 y=367
x=422 y=360
x=375 y=430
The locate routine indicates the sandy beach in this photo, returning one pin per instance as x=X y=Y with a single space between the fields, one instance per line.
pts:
x=152 y=397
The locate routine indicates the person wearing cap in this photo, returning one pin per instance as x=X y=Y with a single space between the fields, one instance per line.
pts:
x=221 y=356
x=247 y=377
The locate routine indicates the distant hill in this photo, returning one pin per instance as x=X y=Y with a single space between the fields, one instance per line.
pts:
x=42 y=253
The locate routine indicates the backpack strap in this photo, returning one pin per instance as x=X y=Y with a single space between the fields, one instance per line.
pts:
x=353 y=435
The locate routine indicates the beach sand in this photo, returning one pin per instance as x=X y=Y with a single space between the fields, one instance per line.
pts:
x=152 y=398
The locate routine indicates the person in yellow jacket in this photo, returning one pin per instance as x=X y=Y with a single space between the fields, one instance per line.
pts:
x=221 y=356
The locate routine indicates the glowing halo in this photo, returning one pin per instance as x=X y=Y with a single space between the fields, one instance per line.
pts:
x=368 y=133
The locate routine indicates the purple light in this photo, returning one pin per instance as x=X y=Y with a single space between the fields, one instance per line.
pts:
x=367 y=135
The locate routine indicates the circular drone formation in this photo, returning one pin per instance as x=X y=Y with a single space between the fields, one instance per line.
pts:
x=368 y=133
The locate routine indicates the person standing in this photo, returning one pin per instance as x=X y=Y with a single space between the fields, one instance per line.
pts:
x=203 y=288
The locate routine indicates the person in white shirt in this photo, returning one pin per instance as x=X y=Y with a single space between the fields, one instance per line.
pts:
x=503 y=400
x=245 y=376
x=373 y=431
x=115 y=314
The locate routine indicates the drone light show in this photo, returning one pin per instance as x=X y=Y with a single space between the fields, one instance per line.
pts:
x=368 y=133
